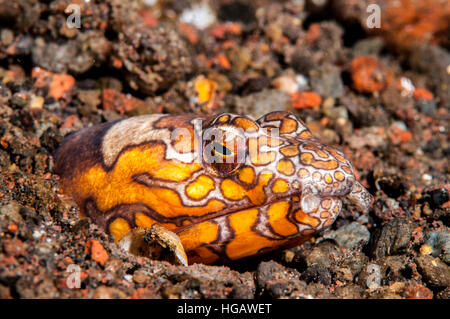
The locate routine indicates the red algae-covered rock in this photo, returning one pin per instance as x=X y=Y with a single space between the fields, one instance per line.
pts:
x=421 y=93
x=409 y=22
x=114 y=100
x=14 y=247
x=98 y=252
x=131 y=58
x=417 y=291
x=403 y=23
x=369 y=75
x=153 y=58
x=59 y=84
x=399 y=135
x=220 y=31
x=189 y=31
x=306 y=99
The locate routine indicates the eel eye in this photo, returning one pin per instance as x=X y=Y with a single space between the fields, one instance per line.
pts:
x=220 y=149
x=223 y=150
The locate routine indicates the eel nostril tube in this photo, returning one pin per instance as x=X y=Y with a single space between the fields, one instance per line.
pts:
x=360 y=197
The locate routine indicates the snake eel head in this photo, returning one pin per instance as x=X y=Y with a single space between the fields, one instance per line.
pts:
x=280 y=144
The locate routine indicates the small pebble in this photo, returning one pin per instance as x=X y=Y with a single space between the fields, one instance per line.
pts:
x=434 y=271
x=36 y=102
x=391 y=239
x=104 y=292
x=350 y=235
x=438 y=242
x=6 y=37
x=426 y=249
x=98 y=252
x=286 y=83
x=258 y=104
x=12 y=211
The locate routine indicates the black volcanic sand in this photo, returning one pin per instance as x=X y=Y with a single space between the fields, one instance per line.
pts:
x=128 y=59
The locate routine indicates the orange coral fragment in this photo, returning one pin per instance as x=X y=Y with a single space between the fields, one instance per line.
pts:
x=148 y=19
x=98 y=252
x=305 y=99
x=406 y=23
x=189 y=31
x=421 y=93
x=206 y=89
x=61 y=84
x=114 y=100
x=223 y=61
x=58 y=84
x=400 y=136
x=221 y=30
x=369 y=75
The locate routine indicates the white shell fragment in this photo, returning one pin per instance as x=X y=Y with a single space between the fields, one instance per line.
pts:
x=155 y=242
